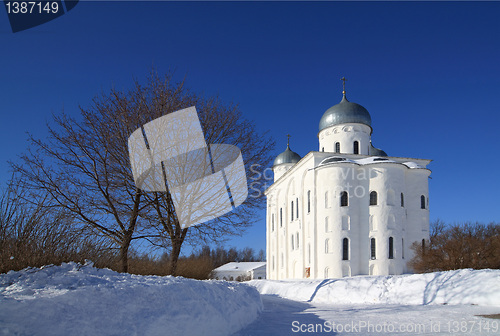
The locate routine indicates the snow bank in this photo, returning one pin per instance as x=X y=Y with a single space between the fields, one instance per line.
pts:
x=466 y=286
x=72 y=299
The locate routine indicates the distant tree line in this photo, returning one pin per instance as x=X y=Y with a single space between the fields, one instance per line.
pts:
x=468 y=245
x=33 y=234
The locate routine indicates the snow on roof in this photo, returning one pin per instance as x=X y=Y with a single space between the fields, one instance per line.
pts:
x=241 y=266
x=366 y=161
x=412 y=165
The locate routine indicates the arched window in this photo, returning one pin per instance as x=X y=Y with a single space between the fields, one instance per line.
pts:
x=282 y=260
x=272 y=223
x=327 y=245
x=391 y=248
x=326 y=273
x=423 y=244
x=337 y=147
x=327 y=227
x=297 y=240
x=402 y=248
x=373 y=198
x=273 y=263
x=291 y=211
x=402 y=200
x=356 y=147
x=297 y=208
x=281 y=217
x=422 y=202
x=292 y=242
x=345 y=249
x=308 y=201
x=372 y=249
x=344 y=199
x=326 y=199
x=322 y=149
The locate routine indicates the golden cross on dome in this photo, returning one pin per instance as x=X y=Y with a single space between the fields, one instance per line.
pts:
x=288 y=140
x=343 y=79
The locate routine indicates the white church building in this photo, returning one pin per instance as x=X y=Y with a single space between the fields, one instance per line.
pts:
x=347 y=209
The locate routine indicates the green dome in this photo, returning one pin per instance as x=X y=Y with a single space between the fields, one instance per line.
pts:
x=343 y=113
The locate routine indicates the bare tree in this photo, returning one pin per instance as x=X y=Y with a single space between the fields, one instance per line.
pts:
x=221 y=124
x=84 y=166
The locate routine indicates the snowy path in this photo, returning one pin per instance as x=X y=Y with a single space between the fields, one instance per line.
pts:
x=279 y=315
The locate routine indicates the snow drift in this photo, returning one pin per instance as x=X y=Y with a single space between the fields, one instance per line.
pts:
x=466 y=286
x=74 y=299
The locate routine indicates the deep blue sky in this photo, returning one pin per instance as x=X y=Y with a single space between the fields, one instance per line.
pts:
x=428 y=73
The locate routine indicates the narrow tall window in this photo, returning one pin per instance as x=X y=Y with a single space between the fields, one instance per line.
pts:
x=402 y=200
x=327 y=228
x=281 y=217
x=372 y=249
x=344 y=199
x=292 y=242
x=373 y=198
x=422 y=202
x=345 y=249
x=297 y=240
x=297 y=208
x=308 y=201
x=356 y=147
x=391 y=248
x=337 y=147
x=322 y=149
x=423 y=244
x=326 y=199
x=402 y=248
x=292 y=210
x=327 y=245
x=272 y=222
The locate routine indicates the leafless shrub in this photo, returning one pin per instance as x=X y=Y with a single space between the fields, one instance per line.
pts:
x=32 y=233
x=468 y=245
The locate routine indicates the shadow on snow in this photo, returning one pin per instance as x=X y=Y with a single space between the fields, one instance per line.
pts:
x=283 y=317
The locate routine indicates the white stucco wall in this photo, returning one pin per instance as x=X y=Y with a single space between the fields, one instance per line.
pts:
x=345 y=134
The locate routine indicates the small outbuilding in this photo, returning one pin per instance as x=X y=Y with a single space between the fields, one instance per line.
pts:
x=240 y=271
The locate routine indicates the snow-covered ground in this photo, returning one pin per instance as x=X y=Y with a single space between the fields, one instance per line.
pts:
x=442 y=303
x=466 y=286
x=82 y=300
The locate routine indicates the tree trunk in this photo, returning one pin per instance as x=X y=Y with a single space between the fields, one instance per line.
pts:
x=174 y=257
x=124 y=254
x=176 y=251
